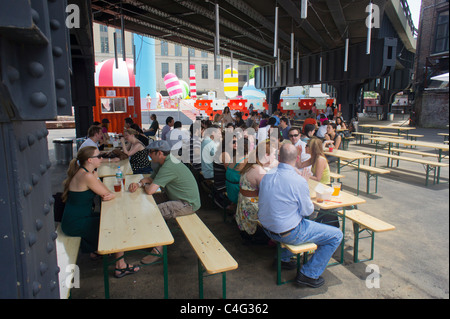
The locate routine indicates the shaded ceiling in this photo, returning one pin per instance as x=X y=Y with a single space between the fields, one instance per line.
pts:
x=246 y=26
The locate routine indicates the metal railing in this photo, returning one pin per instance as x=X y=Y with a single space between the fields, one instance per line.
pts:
x=407 y=12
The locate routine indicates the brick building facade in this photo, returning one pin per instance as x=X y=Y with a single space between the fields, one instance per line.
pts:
x=431 y=97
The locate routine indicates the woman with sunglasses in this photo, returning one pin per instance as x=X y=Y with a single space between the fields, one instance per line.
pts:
x=135 y=149
x=80 y=188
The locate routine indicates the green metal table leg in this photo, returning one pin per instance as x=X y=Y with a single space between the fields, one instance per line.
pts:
x=438 y=168
x=357 y=192
x=224 y=285
x=279 y=264
x=355 y=242
x=166 y=275
x=106 y=276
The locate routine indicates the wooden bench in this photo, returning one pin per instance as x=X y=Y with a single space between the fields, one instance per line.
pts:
x=423 y=154
x=429 y=164
x=212 y=256
x=67 y=248
x=365 y=222
x=304 y=248
x=371 y=171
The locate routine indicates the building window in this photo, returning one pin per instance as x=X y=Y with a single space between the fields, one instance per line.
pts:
x=119 y=41
x=104 y=41
x=441 y=38
x=191 y=52
x=204 y=54
x=164 y=48
x=179 y=70
x=204 y=71
x=217 y=72
x=164 y=69
x=178 y=50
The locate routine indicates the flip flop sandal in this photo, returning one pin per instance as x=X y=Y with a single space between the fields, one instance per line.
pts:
x=125 y=271
x=152 y=254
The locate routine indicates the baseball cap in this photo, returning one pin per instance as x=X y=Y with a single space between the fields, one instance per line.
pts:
x=159 y=146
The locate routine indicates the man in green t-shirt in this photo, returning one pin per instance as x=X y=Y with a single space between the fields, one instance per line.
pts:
x=181 y=196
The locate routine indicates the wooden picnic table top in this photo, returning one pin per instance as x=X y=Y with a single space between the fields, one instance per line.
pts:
x=347 y=155
x=412 y=143
x=402 y=128
x=110 y=169
x=131 y=221
x=343 y=200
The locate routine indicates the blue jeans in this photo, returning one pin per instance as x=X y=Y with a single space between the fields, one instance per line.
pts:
x=327 y=238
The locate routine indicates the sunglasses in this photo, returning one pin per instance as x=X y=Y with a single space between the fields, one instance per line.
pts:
x=293 y=135
x=97 y=156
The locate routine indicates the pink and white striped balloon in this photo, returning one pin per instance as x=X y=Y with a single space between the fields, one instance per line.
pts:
x=192 y=83
x=173 y=85
x=106 y=73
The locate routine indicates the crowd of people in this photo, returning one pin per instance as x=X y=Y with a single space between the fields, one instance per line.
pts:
x=258 y=169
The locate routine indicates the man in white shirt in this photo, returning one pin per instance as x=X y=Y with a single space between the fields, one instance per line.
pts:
x=178 y=138
x=95 y=135
x=294 y=137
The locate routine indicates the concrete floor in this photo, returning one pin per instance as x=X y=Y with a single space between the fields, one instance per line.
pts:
x=412 y=261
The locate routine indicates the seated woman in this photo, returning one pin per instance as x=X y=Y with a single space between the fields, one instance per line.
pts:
x=233 y=163
x=247 y=206
x=340 y=124
x=135 y=149
x=80 y=188
x=321 y=173
x=332 y=139
x=318 y=161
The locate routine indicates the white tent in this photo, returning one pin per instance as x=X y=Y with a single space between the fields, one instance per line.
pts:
x=442 y=77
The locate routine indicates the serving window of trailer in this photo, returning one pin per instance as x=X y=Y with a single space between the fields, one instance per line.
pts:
x=114 y=105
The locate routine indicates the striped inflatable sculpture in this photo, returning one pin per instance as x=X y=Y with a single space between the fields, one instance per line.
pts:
x=173 y=85
x=230 y=83
x=193 y=86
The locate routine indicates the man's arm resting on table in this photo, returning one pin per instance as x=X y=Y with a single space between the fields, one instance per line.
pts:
x=150 y=189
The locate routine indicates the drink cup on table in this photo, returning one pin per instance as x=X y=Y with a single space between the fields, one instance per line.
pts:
x=336 y=189
x=118 y=185
x=330 y=149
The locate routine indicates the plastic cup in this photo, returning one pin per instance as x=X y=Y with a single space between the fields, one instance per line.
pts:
x=123 y=181
x=330 y=149
x=117 y=187
x=336 y=189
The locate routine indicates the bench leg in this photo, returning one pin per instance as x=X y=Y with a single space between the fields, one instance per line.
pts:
x=200 y=279
x=106 y=276
x=357 y=232
x=166 y=275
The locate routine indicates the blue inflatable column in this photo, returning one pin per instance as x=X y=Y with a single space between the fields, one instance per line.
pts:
x=145 y=66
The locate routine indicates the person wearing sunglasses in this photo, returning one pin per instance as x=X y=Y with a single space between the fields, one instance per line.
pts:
x=80 y=188
x=294 y=136
x=317 y=161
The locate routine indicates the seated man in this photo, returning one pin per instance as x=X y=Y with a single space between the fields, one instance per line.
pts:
x=284 y=202
x=95 y=136
x=181 y=196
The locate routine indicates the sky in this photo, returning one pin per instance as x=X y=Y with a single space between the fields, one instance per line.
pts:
x=414 y=7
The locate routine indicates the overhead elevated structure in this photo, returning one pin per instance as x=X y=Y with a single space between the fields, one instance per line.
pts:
x=249 y=29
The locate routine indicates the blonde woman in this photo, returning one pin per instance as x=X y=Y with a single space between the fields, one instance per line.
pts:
x=135 y=149
x=247 y=207
x=318 y=161
x=80 y=188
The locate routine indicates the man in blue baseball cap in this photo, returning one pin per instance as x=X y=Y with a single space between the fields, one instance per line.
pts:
x=180 y=196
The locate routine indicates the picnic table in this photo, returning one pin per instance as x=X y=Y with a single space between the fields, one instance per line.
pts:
x=349 y=157
x=343 y=201
x=110 y=169
x=399 y=129
x=131 y=221
x=438 y=146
